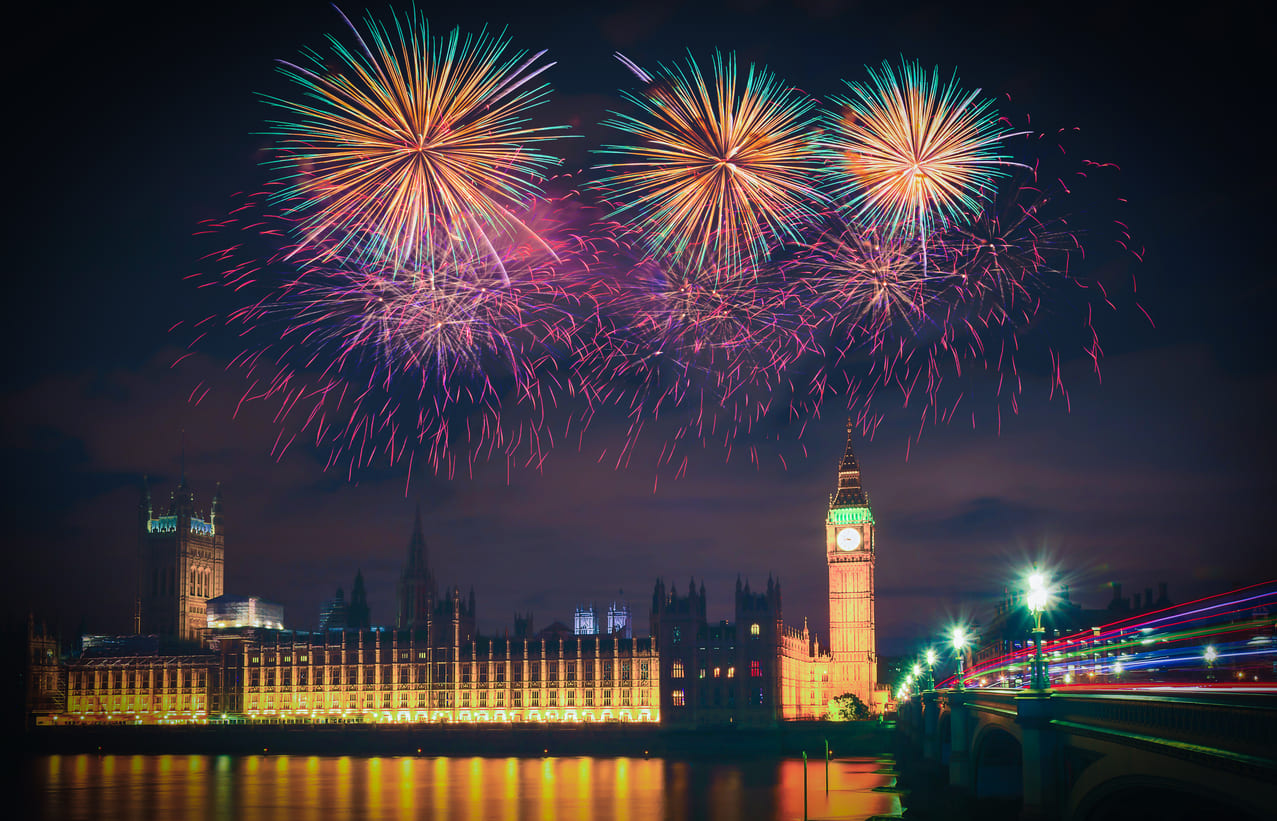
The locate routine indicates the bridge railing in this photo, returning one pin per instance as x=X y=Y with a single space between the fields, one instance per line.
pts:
x=1245 y=725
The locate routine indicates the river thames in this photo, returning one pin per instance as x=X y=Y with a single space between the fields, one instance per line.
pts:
x=256 y=788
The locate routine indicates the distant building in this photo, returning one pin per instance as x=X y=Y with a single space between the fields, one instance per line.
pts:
x=181 y=563
x=619 y=621
x=333 y=615
x=586 y=620
x=244 y=611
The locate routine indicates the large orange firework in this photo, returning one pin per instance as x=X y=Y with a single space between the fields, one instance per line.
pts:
x=409 y=137
x=907 y=151
x=723 y=167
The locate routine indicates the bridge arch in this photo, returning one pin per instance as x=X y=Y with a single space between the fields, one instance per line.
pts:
x=997 y=759
x=1168 y=799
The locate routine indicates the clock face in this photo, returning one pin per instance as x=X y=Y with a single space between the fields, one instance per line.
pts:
x=848 y=538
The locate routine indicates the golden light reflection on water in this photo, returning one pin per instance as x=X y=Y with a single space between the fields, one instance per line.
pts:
x=258 y=788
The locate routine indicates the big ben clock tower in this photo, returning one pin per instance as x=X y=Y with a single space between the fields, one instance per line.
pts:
x=849 y=551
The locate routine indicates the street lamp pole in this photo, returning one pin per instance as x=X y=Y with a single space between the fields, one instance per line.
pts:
x=931 y=660
x=1036 y=600
x=959 y=644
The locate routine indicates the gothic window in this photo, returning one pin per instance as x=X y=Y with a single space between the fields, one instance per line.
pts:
x=731 y=672
x=554 y=698
x=755 y=668
x=677 y=635
x=643 y=670
x=676 y=671
x=571 y=698
x=679 y=698
x=607 y=698
x=589 y=698
x=754 y=629
x=518 y=699
x=571 y=671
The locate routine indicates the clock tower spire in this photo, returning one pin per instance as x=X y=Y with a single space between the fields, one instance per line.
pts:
x=849 y=551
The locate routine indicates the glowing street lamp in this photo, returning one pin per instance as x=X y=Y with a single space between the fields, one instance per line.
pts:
x=1210 y=655
x=931 y=662
x=959 y=644
x=1036 y=600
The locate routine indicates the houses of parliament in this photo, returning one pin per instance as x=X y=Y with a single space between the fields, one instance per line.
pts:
x=200 y=656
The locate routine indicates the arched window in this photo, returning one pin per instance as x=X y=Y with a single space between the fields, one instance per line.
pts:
x=753 y=629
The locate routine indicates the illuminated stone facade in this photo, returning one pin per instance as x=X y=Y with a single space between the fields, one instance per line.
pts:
x=372 y=676
x=182 y=558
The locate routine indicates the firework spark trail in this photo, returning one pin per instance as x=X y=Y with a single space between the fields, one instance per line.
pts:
x=722 y=168
x=409 y=137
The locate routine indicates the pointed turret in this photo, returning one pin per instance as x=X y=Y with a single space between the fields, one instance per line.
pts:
x=850 y=493
x=357 y=611
x=215 y=511
x=417 y=558
x=145 y=510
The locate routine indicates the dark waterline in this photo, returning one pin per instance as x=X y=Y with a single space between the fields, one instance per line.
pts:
x=256 y=788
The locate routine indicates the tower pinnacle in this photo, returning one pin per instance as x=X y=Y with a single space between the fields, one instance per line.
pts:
x=850 y=493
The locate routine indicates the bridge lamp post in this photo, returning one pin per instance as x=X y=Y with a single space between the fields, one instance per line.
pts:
x=1036 y=600
x=931 y=661
x=959 y=644
x=1210 y=655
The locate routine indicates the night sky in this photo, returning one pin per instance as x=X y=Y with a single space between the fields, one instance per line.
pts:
x=131 y=123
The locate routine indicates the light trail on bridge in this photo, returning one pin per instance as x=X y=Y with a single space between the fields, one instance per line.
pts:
x=1216 y=641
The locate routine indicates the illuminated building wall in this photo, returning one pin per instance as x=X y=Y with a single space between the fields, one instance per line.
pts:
x=805 y=670
x=155 y=689
x=181 y=564
x=374 y=676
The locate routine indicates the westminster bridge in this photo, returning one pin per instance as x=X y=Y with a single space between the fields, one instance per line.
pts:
x=1103 y=754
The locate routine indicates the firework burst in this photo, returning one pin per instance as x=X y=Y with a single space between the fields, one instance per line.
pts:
x=868 y=282
x=908 y=151
x=408 y=137
x=722 y=167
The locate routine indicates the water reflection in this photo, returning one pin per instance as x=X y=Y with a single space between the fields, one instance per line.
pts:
x=257 y=788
